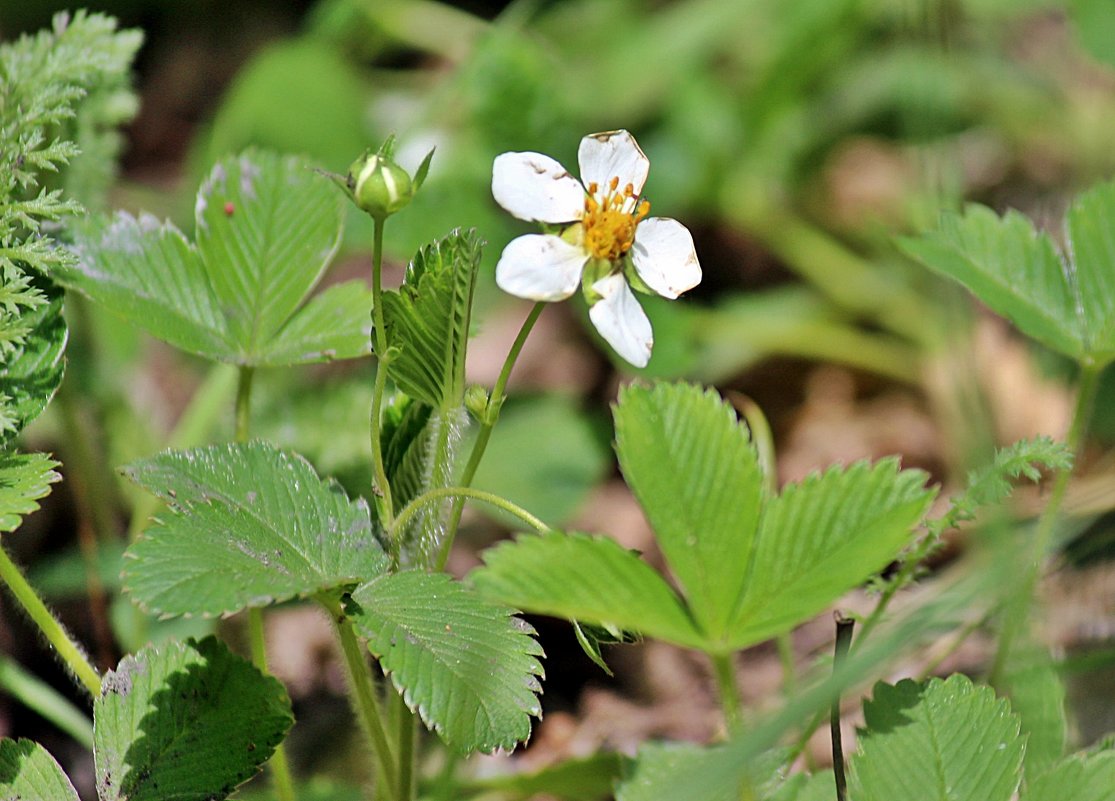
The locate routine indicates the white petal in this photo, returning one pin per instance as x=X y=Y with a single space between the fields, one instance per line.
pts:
x=536 y=188
x=540 y=267
x=621 y=321
x=613 y=154
x=664 y=256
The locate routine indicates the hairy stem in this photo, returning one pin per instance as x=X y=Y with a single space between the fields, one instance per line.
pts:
x=1018 y=606
x=382 y=485
x=429 y=496
x=495 y=403
x=55 y=634
x=363 y=696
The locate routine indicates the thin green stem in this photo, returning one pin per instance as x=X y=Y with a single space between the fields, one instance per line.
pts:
x=429 y=496
x=279 y=765
x=495 y=403
x=55 y=634
x=363 y=696
x=382 y=485
x=1018 y=606
x=405 y=731
x=47 y=701
x=730 y=702
x=786 y=658
x=244 y=403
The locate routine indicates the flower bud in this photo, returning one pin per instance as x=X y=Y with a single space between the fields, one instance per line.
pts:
x=379 y=186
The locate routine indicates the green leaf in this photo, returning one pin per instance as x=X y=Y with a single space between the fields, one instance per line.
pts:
x=588 y=779
x=1037 y=696
x=249 y=525
x=1088 y=777
x=267 y=227
x=942 y=740
x=188 y=721
x=152 y=276
x=683 y=771
x=28 y=771
x=800 y=787
x=428 y=320
x=1091 y=231
x=1010 y=267
x=589 y=579
x=24 y=478
x=821 y=538
x=546 y=455
x=32 y=372
x=466 y=666
x=694 y=471
x=335 y=324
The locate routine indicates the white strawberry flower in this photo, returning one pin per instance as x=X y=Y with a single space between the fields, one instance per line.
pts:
x=607 y=240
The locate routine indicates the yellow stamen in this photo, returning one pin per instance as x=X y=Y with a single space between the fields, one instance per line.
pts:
x=610 y=219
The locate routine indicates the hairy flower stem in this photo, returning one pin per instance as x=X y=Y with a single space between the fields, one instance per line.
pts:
x=495 y=403
x=730 y=703
x=382 y=485
x=429 y=496
x=1017 y=609
x=279 y=765
x=55 y=634
x=363 y=695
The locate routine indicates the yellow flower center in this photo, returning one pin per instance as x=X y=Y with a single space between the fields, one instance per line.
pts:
x=610 y=220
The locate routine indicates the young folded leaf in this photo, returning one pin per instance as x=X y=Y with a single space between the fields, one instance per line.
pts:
x=428 y=319
x=249 y=525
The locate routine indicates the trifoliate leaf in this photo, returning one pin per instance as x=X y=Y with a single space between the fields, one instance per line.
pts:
x=24 y=478
x=589 y=579
x=937 y=741
x=464 y=664
x=249 y=525
x=188 y=721
x=428 y=320
x=28 y=771
x=267 y=227
x=694 y=471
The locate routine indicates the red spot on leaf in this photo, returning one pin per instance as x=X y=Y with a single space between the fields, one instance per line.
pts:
x=229 y=208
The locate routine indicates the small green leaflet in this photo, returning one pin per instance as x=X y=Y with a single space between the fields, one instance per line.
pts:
x=28 y=772
x=249 y=525
x=467 y=666
x=24 y=478
x=267 y=228
x=1085 y=777
x=939 y=740
x=189 y=721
